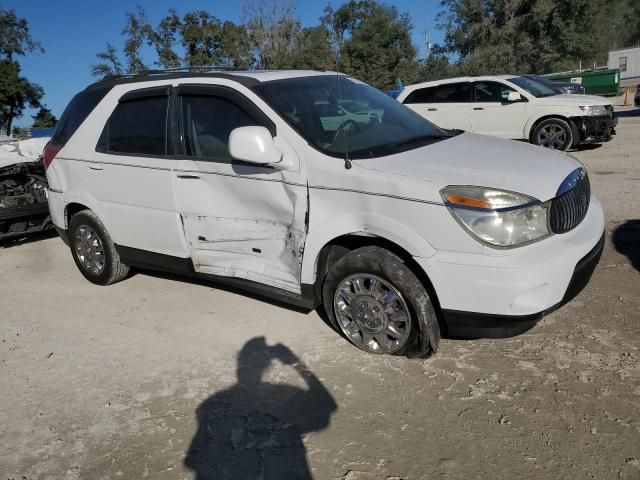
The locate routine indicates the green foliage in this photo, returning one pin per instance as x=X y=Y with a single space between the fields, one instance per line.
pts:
x=136 y=30
x=526 y=36
x=371 y=40
x=15 y=38
x=16 y=93
x=374 y=41
x=109 y=63
x=315 y=50
x=44 y=118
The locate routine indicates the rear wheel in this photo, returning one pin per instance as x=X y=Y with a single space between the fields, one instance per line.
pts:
x=553 y=133
x=93 y=250
x=379 y=305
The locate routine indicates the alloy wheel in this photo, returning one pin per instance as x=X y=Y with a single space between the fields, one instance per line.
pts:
x=372 y=313
x=89 y=250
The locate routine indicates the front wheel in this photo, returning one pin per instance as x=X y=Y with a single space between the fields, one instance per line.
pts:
x=379 y=305
x=553 y=133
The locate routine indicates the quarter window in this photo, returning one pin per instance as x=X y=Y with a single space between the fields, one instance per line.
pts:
x=207 y=124
x=491 y=92
x=138 y=127
x=422 y=95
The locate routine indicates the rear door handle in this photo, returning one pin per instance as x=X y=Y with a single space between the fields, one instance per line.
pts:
x=189 y=177
x=95 y=166
x=478 y=108
x=432 y=109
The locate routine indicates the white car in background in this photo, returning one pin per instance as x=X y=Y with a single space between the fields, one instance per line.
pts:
x=513 y=107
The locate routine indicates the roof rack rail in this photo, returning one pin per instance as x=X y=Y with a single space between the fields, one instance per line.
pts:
x=187 y=69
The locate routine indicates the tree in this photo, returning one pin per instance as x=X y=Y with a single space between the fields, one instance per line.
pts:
x=44 y=118
x=163 y=39
x=16 y=93
x=109 y=64
x=15 y=38
x=374 y=41
x=136 y=30
x=274 y=31
x=315 y=49
x=525 y=36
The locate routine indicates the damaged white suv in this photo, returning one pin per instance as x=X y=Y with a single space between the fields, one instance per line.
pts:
x=401 y=230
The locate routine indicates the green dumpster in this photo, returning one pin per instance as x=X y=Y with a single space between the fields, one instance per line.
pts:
x=605 y=81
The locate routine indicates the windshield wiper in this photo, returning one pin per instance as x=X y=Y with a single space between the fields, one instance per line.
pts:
x=420 y=138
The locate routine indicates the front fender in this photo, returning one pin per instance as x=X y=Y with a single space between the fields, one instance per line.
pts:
x=359 y=223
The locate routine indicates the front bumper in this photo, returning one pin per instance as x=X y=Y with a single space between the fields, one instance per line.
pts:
x=500 y=291
x=482 y=325
x=594 y=129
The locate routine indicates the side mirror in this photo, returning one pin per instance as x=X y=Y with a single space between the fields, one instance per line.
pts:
x=254 y=145
x=514 y=97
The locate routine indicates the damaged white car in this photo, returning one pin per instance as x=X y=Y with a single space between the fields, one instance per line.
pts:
x=23 y=189
x=403 y=231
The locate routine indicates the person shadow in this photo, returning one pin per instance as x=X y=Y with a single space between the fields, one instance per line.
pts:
x=626 y=240
x=254 y=430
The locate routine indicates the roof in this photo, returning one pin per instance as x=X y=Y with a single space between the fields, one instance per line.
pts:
x=458 y=79
x=248 y=78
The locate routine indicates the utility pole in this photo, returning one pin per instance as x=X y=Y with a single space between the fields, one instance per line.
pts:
x=427 y=43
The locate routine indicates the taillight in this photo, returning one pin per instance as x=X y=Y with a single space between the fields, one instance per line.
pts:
x=50 y=152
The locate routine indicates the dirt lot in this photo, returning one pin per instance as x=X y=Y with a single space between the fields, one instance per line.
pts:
x=123 y=381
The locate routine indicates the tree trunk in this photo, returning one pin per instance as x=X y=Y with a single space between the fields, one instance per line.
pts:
x=9 y=120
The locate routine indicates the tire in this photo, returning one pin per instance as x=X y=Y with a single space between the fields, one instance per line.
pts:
x=390 y=311
x=93 y=250
x=553 y=133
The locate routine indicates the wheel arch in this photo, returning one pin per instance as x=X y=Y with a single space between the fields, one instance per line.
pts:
x=340 y=246
x=327 y=243
x=532 y=124
x=71 y=209
x=359 y=225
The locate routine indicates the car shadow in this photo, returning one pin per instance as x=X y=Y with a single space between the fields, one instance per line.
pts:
x=219 y=285
x=586 y=146
x=626 y=240
x=254 y=429
x=635 y=112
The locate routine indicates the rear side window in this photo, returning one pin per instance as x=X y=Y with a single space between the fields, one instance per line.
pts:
x=491 y=92
x=76 y=112
x=137 y=126
x=207 y=122
x=422 y=95
x=452 y=93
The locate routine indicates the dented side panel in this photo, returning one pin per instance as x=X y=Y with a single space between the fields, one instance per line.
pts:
x=243 y=222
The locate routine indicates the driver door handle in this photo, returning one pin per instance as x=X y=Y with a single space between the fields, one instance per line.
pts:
x=432 y=109
x=478 y=108
x=189 y=177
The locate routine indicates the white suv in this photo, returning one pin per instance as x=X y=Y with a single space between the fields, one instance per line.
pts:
x=402 y=230
x=513 y=107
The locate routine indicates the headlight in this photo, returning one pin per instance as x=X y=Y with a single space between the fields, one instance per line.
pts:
x=594 y=110
x=497 y=217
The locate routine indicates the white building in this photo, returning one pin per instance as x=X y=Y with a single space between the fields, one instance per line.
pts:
x=628 y=61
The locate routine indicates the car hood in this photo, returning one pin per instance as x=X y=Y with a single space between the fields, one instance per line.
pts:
x=573 y=99
x=472 y=159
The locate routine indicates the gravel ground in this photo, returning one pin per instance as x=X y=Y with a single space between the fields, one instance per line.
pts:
x=164 y=378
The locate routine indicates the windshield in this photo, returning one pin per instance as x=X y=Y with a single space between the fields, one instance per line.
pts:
x=536 y=89
x=343 y=117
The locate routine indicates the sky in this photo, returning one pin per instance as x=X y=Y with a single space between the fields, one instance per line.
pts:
x=73 y=31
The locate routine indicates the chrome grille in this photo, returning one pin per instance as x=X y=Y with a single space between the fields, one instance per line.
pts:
x=570 y=208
